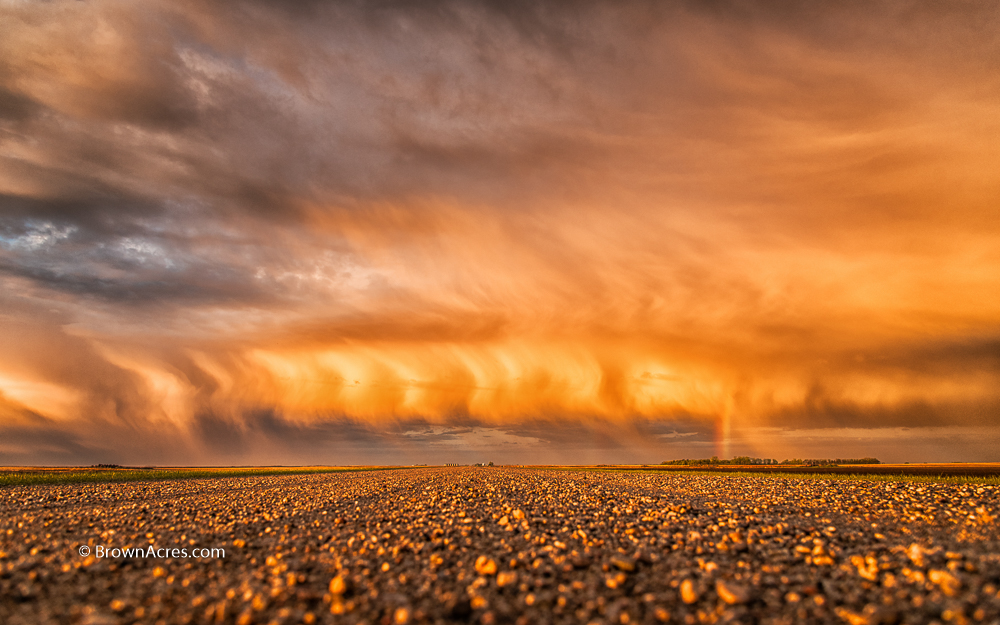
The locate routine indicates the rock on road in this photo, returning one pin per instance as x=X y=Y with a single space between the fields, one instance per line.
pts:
x=499 y=545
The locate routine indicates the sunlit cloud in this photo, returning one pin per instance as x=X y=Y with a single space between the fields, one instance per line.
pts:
x=257 y=232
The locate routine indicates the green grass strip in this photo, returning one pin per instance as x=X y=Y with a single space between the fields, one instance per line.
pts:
x=78 y=476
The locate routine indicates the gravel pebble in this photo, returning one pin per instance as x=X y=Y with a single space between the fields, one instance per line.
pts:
x=501 y=545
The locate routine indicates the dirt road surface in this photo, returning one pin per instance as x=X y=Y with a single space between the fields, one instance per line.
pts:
x=500 y=545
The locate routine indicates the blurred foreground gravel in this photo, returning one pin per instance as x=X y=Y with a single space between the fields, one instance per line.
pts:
x=499 y=545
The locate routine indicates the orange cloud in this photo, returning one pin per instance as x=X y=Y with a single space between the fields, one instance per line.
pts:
x=242 y=229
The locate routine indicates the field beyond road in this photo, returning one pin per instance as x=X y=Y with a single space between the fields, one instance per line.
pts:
x=25 y=476
x=498 y=545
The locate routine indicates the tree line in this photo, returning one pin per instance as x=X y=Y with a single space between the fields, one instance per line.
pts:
x=747 y=460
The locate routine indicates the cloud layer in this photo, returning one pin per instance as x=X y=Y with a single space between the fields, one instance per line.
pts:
x=348 y=231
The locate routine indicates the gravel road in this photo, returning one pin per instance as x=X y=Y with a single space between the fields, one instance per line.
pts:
x=501 y=545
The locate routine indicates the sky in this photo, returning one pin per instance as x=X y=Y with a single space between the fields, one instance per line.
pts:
x=522 y=232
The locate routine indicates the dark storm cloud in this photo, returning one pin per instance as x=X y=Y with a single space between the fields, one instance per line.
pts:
x=98 y=216
x=597 y=434
x=327 y=439
x=359 y=104
x=931 y=363
x=330 y=439
x=266 y=431
x=107 y=249
x=820 y=410
x=48 y=444
x=969 y=355
x=17 y=107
